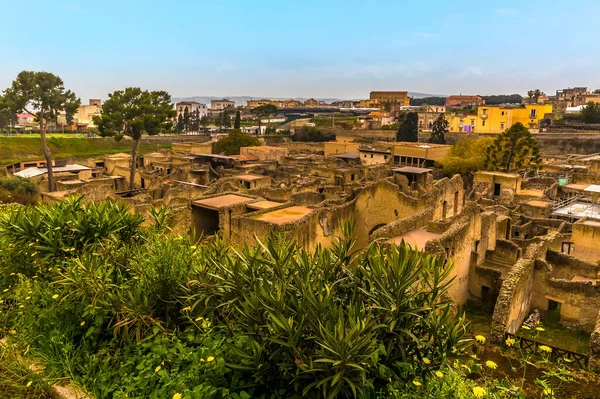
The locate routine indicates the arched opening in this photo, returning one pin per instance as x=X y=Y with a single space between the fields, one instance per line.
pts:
x=375 y=228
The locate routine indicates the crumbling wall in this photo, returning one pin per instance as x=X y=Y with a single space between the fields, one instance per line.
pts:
x=595 y=345
x=307 y=198
x=401 y=226
x=514 y=300
x=379 y=204
x=461 y=246
x=512 y=305
x=505 y=252
x=586 y=236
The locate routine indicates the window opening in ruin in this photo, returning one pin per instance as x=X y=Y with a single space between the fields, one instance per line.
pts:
x=455 y=203
x=143 y=183
x=516 y=233
x=352 y=177
x=476 y=245
x=553 y=315
x=444 y=209
x=205 y=221
x=566 y=248
x=496 y=189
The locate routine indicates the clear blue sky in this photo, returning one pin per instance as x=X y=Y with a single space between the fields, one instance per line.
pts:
x=310 y=48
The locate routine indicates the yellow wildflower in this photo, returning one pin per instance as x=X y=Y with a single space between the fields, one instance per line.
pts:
x=187 y=309
x=491 y=365
x=479 y=392
x=199 y=318
x=545 y=348
x=548 y=392
x=82 y=323
x=540 y=329
x=426 y=360
x=525 y=328
x=417 y=383
x=210 y=359
x=480 y=339
x=55 y=296
x=439 y=374
x=509 y=342
x=29 y=384
x=177 y=396
x=193 y=247
x=157 y=369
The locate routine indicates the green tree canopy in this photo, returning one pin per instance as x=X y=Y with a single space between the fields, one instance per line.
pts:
x=312 y=134
x=238 y=120
x=439 y=130
x=409 y=129
x=231 y=144
x=266 y=110
x=590 y=113
x=513 y=149
x=133 y=112
x=43 y=95
x=466 y=157
x=7 y=115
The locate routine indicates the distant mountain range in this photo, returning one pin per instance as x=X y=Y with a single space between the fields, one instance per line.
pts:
x=242 y=100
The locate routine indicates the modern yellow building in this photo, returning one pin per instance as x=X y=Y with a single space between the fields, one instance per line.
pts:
x=498 y=118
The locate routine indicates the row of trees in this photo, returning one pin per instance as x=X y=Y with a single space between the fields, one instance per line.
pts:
x=193 y=122
x=489 y=100
x=513 y=149
x=131 y=112
x=409 y=129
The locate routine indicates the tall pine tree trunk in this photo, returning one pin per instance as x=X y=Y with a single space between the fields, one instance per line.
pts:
x=47 y=153
x=134 y=152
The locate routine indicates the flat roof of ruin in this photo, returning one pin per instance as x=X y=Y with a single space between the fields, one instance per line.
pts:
x=119 y=155
x=575 y=186
x=531 y=192
x=72 y=182
x=249 y=177
x=593 y=188
x=222 y=201
x=415 y=238
x=34 y=171
x=348 y=155
x=419 y=144
x=491 y=173
x=260 y=205
x=265 y=148
x=411 y=169
x=285 y=215
x=579 y=210
x=537 y=203
x=591 y=223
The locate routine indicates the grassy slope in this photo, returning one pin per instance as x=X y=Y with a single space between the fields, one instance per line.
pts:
x=15 y=149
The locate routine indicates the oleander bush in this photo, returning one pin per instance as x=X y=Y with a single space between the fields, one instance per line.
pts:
x=127 y=311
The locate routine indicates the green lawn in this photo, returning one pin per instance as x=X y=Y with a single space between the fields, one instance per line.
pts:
x=15 y=149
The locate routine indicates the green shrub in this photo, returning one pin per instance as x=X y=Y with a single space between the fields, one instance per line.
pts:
x=18 y=190
x=332 y=323
x=129 y=311
x=312 y=134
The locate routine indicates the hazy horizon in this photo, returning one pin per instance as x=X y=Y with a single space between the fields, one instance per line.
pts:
x=334 y=49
